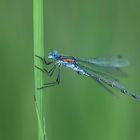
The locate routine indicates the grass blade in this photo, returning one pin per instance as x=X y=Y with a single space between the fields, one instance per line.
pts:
x=38 y=33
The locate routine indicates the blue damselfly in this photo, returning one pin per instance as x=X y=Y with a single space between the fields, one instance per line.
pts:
x=102 y=70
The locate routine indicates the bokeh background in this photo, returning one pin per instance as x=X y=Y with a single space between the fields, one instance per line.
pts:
x=77 y=109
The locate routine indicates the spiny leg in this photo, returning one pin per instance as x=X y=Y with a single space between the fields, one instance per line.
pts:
x=56 y=82
x=52 y=70
x=44 y=60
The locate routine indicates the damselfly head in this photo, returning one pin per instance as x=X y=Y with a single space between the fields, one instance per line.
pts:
x=53 y=54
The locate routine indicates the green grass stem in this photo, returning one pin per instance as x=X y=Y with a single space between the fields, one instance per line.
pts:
x=38 y=33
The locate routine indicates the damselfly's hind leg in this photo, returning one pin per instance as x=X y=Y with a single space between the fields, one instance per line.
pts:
x=44 y=60
x=56 y=82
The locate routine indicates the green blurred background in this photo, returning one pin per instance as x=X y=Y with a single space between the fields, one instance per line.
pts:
x=77 y=109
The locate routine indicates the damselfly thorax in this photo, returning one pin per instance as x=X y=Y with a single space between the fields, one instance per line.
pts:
x=71 y=63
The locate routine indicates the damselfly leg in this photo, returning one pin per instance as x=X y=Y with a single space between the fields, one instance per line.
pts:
x=56 y=82
x=49 y=72
x=44 y=60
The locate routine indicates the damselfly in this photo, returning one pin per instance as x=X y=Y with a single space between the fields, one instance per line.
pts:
x=99 y=69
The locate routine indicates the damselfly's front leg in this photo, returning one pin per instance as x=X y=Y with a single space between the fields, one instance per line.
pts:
x=44 y=60
x=56 y=82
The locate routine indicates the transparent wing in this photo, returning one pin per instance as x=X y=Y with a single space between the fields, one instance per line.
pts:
x=110 y=81
x=113 y=71
x=105 y=87
x=110 y=61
